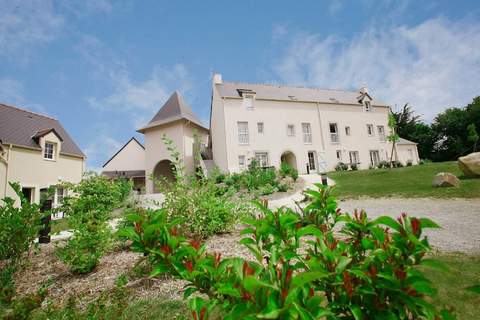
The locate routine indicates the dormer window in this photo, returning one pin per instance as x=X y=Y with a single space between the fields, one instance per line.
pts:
x=248 y=101
x=49 y=151
x=368 y=107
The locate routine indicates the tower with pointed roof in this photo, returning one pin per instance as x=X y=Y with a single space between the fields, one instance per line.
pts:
x=177 y=122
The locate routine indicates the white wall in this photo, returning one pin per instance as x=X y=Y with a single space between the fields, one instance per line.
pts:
x=357 y=119
x=275 y=115
x=132 y=157
x=407 y=152
x=217 y=131
x=30 y=169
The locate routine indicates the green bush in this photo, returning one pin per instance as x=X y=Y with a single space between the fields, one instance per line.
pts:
x=409 y=163
x=288 y=170
x=267 y=189
x=384 y=164
x=204 y=208
x=341 y=166
x=303 y=269
x=87 y=211
x=283 y=187
x=354 y=166
x=19 y=227
x=397 y=164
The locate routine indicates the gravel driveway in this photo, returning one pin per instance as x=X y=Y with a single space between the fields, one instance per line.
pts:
x=459 y=218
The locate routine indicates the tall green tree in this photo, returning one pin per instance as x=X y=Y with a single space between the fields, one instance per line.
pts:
x=450 y=127
x=393 y=136
x=472 y=136
x=424 y=135
x=406 y=121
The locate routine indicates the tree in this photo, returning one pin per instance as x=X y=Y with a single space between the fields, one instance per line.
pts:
x=451 y=134
x=393 y=136
x=472 y=135
x=406 y=122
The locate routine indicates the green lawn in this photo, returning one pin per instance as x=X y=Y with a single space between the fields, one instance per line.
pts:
x=415 y=181
x=463 y=272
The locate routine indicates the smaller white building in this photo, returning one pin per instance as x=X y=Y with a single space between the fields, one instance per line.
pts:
x=128 y=163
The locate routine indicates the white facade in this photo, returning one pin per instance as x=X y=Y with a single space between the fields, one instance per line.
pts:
x=306 y=127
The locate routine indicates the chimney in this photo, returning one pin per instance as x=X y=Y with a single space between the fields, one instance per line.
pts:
x=217 y=78
x=363 y=89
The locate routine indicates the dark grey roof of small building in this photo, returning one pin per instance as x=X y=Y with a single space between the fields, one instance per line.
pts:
x=292 y=93
x=124 y=174
x=21 y=127
x=405 y=141
x=174 y=109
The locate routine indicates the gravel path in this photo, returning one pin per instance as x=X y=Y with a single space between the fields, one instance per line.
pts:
x=459 y=218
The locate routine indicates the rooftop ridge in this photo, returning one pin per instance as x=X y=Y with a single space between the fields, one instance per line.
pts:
x=28 y=111
x=288 y=86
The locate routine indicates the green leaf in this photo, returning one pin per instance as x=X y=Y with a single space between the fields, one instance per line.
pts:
x=427 y=223
x=309 y=230
x=388 y=221
x=357 y=312
x=306 y=277
x=342 y=264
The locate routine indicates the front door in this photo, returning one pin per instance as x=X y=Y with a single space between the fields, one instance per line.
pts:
x=312 y=164
x=28 y=194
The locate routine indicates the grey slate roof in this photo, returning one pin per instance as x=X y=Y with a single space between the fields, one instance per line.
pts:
x=174 y=109
x=405 y=141
x=124 y=174
x=22 y=127
x=289 y=93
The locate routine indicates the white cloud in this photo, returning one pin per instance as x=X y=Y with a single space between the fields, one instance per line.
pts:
x=99 y=150
x=25 y=24
x=432 y=65
x=141 y=99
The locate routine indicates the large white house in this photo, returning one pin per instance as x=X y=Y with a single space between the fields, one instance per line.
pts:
x=311 y=129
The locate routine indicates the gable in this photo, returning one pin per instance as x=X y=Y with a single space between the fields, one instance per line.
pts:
x=129 y=157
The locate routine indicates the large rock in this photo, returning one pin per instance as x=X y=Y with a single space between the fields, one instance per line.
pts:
x=470 y=165
x=445 y=179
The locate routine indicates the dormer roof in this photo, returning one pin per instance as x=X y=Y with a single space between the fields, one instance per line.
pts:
x=41 y=133
x=173 y=110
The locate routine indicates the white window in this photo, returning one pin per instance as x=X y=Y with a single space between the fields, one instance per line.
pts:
x=368 y=107
x=59 y=194
x=307 y=133
x=248 y=101
x=49 y=151
x=262 y=158
x=354 y=157
x=290 y=130
x=334 y=137
x=374 y=157
x=243 y=133
x=260 y=127
x=339 y=155
x=347 y=130
x=370 y=129
x=381 y=133
x=241 y=162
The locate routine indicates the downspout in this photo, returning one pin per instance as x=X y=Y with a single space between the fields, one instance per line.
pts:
x=6 y=171
x=321 y=129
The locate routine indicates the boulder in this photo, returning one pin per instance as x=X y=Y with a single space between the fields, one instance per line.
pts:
x=445 y=179
x=470 y=165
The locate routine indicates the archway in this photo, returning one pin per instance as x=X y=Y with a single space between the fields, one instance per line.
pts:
x=289 y=157
x=164 y=170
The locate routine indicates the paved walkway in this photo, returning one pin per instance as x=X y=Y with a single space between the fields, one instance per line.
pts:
x=459 y=218
x=310 y=180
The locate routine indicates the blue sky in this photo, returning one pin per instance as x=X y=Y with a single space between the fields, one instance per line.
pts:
x=105 y=67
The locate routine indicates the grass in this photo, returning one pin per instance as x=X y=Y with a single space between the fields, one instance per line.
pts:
x=414 y=181
x=462 y=271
